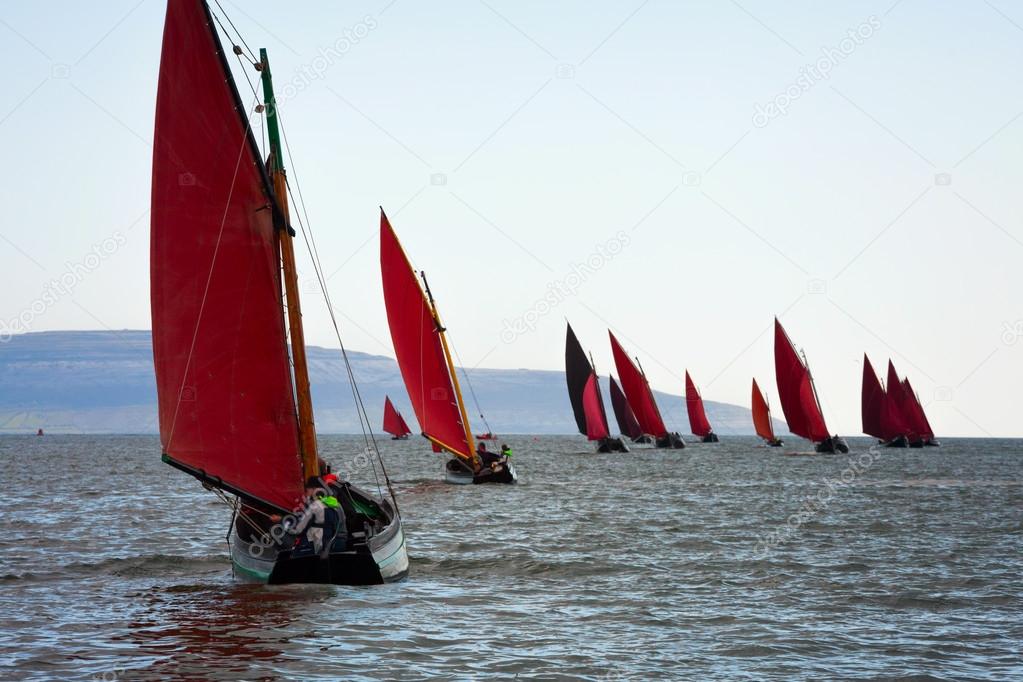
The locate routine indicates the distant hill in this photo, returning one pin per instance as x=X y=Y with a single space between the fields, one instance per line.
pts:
x=102 y=382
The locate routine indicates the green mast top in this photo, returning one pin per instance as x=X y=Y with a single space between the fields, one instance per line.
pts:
x=273 y=131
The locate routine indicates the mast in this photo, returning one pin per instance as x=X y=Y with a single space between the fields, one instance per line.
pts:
x=285 y=236
x=813 y=384
x=451 y=370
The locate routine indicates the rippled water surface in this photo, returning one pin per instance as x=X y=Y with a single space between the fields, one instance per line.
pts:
x=721 y=561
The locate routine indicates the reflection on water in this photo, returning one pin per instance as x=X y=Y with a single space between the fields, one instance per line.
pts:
x=641 y=566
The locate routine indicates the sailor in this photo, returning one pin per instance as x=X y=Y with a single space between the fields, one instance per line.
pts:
x=505 y=451
x=321 y=519
x=487 y=458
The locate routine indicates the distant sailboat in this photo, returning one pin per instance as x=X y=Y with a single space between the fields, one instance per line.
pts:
x=234 y=405
x=698 y=422
x=920 y=421
x=626 y=418
x=584 y=394
x=394 y=423
x=421 y=348
x=641 y=399
x=762 y=417
x=39 y=432
x=798 y=395
x=879 y=410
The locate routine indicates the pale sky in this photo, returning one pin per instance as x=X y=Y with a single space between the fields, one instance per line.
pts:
x=512 y=141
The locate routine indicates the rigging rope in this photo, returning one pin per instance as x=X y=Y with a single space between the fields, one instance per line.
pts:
x=472 y=391
x=369 y=438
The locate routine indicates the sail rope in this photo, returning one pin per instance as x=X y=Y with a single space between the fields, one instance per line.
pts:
x=472 y=391
x=305 y=226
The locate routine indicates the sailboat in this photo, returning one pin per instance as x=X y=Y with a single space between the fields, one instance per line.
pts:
x=235 y=409
x=798 y=395
x=762 y=422
x=424 y=358
x=584 y=393
x=641 y=398
x=394 y=423
x=879 y=408
x=919 y=418
x=698 y=422
x=628 y=425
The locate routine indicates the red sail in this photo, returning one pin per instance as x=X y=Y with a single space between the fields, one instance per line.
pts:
x=593 y=405
x=918 y=418
x=697 y=415
x=226 y=405
x=873 y=402
x=795 y=388
x=418 y=348
x=393 y=423
x=761 y=414
x=896 y=420
x=627 y=422
x=637 y=390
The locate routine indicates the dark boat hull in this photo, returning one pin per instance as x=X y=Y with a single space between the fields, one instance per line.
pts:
x=381 y=558
x=775 y=442
x=710 y=438
x=900 y=442
x=833 y=445
x=606 y=445
x=405 y=437
x=643 y=440
x=932 y=443
x=457 y=474
x=671 y=441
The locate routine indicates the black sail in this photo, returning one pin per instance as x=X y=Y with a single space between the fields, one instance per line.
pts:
x=627 y=422
x=577 y=373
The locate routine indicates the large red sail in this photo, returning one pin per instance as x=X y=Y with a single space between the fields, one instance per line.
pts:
x=795 y=388
x=393 y=422
x=637 y=390
x=417 y=347
x=627 y=422
x=698 y=422
x=919 y=419
x=895 y=418
x=593 y=405
x=873 y=402
x=226 y=398
x=761 y=414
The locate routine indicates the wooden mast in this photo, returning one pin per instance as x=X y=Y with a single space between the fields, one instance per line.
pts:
x=451 y=369
x=285 y=237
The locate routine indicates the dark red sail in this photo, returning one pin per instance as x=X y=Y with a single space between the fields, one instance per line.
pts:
x=417 y=347
x=872 y=402
x=761 y=414
x=637 y=390
x=916 y=416
x=896 y=420
x=224 y=384
x=577 y=373
x=627 y=422
x=795 y=388
x=394 y=424
x=698 y=422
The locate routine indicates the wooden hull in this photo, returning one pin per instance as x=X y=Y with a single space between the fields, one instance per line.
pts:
x=456 y=474
x=671 y=441
x=775 y=442
x=381 y=558
x=710 y=438
x=405 y=437
x=605 y=445
x=900 y=442
x=833 y=445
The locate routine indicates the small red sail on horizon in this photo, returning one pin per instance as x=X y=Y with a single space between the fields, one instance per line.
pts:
x=873 y=402
x=796 y=390
x=919 y=419
x=761 y=414
x=418 y=350
x=698 y=422
x=627 y=422
x=394 y=423
x=637 y=390
x=225 y=390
